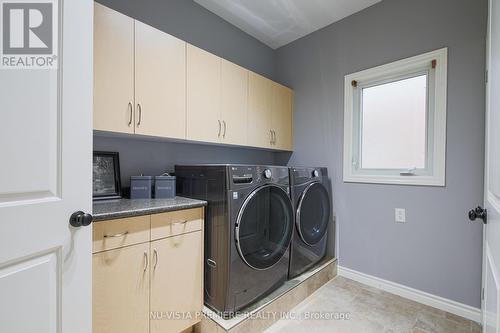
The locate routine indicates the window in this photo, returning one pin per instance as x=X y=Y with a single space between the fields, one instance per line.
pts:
x=395 y=122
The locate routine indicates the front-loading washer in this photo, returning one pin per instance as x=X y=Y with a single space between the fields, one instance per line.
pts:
x=248 y=229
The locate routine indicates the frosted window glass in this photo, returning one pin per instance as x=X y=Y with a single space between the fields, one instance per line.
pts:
x=393 y=130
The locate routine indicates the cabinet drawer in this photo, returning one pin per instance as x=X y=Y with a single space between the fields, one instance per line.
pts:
x=114 y=234
x=176 y=223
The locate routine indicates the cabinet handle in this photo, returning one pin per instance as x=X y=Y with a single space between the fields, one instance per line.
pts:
x=155 y=255
x=181 y=222
x=145 y=261
x=211 y=263
x=224 y=134
x=116 y=235
x=130 y=107
x=271 y=133
x=139 y=107
x=274 y=140
x=218 y=135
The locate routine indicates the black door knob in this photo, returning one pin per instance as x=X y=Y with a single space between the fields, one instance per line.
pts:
x=80 y=219
x=480 y=213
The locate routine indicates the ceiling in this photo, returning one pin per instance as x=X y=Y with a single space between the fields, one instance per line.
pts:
x=279 y=22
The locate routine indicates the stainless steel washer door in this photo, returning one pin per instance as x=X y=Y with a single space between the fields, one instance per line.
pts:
x=264 y=227
x=313 y=213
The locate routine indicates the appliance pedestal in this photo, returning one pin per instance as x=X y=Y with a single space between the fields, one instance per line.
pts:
x=259 y=316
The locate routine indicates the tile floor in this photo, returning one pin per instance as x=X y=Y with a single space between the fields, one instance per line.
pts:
x=369 y=310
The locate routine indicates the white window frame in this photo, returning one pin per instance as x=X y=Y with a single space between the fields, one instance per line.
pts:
x=434 y=173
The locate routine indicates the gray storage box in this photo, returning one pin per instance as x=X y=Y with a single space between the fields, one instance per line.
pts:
x=164 y=187
x=141 y=187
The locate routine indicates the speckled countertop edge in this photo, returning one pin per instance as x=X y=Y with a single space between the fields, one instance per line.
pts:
x=121 y=208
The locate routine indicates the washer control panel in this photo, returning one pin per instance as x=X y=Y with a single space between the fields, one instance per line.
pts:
x=241 y=176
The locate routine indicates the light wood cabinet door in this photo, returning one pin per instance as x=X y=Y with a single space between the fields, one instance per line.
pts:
x=203 y=95
x=234 y=105
x=259 y=111
x=121 y=290
x=113 y=70
x=176 y=282
x=282 y=113
x=160 y=83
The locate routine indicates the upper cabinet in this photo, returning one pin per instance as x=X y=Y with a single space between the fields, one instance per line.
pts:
x=217 y=98
x=113 y=71
x=150 y=83
x=270 y=114
x=160 y=83
x=234 y=108
x=139 y=77
x=259 y=111
x=282 y=117
x=203 y=95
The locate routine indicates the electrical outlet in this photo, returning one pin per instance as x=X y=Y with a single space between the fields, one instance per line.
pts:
x=400 y=215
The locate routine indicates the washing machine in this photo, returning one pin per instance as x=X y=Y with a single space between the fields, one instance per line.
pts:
x=248 y=229
x=312 y=206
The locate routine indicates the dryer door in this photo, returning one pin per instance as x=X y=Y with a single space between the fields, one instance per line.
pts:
x=313 y=213
x=264 y=227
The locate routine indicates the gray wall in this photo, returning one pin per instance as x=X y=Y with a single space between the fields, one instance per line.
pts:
x=437 y=250
x=156 y=157
x=190 y=22
x=196 y=25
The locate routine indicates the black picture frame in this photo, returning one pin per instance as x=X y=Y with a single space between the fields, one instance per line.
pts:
x=106 y=182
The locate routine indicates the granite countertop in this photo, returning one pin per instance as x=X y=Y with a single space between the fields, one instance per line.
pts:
x=119 y=208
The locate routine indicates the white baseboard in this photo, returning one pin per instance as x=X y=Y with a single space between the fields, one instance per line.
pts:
x=438 y=302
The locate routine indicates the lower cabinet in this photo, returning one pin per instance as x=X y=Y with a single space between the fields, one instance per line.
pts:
x=155 y=286
x=176 y=267
x=121 y=290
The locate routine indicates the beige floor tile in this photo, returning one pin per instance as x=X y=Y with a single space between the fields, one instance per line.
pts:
x=370 y=310
x=418 y=330
x=457 y=319
x=476 y=328
x=433 y=311
x=438 y=324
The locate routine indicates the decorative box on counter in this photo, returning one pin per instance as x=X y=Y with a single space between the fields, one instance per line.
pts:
x=164 y=186
x=141 y=187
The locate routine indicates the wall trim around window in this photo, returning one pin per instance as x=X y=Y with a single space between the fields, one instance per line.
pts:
x=438 y=146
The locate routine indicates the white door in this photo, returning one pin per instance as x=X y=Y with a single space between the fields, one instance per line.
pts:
x=45 y=168
x=491 y=243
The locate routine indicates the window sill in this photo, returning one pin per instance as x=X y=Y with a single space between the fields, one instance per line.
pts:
x=396 y=180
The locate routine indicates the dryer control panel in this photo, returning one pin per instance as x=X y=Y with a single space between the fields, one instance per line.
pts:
x=306 y=174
